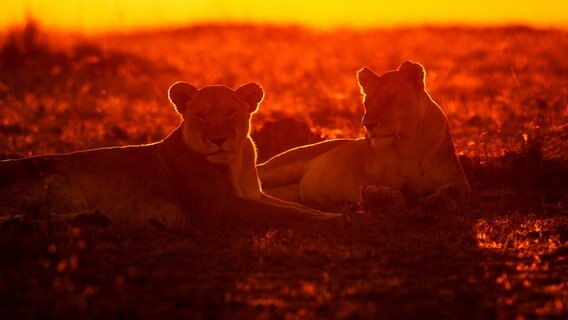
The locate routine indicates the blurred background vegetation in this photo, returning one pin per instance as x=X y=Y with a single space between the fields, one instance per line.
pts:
x=504 y=90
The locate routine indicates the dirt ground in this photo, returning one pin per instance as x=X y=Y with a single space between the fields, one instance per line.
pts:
x=504 y=257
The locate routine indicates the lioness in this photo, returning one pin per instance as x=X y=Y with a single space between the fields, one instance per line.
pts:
x=204 y=169
x=407 y=149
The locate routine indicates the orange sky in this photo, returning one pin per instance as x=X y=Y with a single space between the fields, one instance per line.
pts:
x=107 y=15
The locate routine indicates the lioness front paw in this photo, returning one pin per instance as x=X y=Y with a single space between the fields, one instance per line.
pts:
x=378 y=197
x=436 y=202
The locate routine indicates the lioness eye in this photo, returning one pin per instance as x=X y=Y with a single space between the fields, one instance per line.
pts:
x=231 y=113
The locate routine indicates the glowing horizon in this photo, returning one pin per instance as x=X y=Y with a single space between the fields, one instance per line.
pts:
x=111 y=15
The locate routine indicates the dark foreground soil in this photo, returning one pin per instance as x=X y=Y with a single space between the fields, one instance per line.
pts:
x=504 y=257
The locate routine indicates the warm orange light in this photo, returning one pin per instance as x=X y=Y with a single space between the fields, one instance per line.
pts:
x=108 y=15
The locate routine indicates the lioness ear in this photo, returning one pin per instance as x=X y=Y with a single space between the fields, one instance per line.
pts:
x=414 y=74
x=180 y=93
x=366 y=77
x=251 y=94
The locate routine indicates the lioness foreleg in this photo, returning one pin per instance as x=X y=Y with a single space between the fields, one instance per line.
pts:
x=381 y=197
x=287 y=204
x=447 y=197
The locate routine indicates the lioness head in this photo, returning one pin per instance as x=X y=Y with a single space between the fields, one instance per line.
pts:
x=395 y=102
x=216 y=118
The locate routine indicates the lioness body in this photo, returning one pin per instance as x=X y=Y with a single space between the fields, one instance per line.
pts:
x=205 y=170
x=408 y=149
x=128 y=183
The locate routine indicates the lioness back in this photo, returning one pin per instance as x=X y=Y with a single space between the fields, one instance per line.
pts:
x=124 y=182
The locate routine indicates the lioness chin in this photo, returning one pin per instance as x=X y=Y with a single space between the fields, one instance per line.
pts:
x=204 y=171
x=407 y=151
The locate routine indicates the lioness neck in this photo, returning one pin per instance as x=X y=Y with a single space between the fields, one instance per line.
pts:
x=431 y=134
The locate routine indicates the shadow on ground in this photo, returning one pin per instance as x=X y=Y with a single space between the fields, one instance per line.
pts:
x=503 y=257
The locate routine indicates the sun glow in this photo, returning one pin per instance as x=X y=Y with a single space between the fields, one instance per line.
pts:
x=112 y=15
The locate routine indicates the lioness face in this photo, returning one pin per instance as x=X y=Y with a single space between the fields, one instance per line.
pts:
x=216 y=118
x=394 y=102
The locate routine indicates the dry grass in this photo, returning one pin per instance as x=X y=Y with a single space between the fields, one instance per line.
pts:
x=505 y=93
